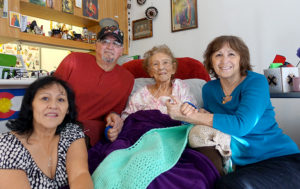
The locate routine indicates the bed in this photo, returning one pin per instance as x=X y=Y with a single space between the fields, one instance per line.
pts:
x=151 y=150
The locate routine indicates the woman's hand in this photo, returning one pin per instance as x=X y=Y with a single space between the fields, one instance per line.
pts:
x=187 y=113
x=187 y=109
x=114 y=120
x=178 y=110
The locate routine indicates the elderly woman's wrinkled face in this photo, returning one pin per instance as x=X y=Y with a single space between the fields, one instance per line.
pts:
x=161 y=67
x=226 y=63
x=50 y=105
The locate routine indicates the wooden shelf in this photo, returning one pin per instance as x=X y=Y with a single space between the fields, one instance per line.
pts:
x=46 y=13
x=116 y=9
x=55 y=42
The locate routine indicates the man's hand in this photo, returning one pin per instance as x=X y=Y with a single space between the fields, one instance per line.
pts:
x=114 y=120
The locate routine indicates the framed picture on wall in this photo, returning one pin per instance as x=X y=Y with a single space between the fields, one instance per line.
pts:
x=141 y=28
x=183 y=15
x=14 y=19
x=90 y=8
x=67 y=6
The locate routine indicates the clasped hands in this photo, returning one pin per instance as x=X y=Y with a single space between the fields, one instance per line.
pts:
x=182 y=111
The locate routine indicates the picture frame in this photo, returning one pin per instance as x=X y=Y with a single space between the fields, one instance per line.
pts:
x=183 y=15
x=67 y=6
x=141 y=28
x=14 y=19
x=90 y=8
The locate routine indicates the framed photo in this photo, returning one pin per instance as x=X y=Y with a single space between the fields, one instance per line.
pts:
x=141 y=28
x=67 y=6
x=183 y=15
x=14 y=19
x=90 y=8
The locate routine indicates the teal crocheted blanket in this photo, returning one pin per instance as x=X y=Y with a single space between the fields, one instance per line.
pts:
x=155 y=152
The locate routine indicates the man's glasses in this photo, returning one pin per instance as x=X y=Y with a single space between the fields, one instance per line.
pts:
x=106 y=42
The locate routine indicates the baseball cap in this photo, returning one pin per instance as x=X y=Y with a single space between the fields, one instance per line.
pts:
x=113 y=31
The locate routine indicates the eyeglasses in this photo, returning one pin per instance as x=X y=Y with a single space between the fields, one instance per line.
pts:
x=164 y=63
x=106 y=42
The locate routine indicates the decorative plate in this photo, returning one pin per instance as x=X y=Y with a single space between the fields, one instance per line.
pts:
x=141 y=2
x=151 y=12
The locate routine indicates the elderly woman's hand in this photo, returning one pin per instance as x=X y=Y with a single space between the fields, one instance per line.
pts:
x=114 y=120
x=178 y=110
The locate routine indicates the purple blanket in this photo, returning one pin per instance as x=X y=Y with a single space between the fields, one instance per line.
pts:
x=193 y=170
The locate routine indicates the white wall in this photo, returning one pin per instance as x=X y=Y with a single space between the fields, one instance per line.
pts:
x=268 y=27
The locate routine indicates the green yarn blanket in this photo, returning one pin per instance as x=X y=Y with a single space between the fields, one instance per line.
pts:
x=157 y=151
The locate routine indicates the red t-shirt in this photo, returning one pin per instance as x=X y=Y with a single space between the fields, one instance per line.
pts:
x=97 y=92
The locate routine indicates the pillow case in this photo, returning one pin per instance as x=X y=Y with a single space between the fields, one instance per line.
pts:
x=195 y=86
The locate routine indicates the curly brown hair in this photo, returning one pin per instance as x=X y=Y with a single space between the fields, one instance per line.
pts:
x=158 y=49
x=234 y=42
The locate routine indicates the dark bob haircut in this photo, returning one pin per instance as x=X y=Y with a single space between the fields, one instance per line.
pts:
x=236 y=44
x=24 y=123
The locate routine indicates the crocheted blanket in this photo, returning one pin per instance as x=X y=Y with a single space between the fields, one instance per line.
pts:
x=191 y=169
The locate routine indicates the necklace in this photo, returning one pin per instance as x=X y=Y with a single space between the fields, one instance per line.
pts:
x=226 y=99
x=50 y=164
x=227 y=93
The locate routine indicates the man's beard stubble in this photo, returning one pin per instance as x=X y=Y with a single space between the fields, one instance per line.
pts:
x=108 y=57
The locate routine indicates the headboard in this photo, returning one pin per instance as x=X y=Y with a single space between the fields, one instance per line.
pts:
x=188 y=68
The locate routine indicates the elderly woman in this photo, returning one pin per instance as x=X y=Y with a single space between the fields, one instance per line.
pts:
x=46 y=147
x=161 y=65
x=238 y=103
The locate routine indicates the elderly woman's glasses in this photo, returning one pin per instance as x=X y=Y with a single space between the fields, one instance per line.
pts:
x=165 y=63
x=107 y=42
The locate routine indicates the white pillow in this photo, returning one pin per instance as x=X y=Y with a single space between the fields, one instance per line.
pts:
x=195 y=86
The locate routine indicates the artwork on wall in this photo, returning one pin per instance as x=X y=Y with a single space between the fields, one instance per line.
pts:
x=67 y=6
x=90 y=8
x=38 y=2
x=141 y=28
x=14 y=19
x=183 y=15
x=3 y=8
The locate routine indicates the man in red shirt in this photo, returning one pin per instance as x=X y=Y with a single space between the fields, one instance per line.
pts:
x=101 y=86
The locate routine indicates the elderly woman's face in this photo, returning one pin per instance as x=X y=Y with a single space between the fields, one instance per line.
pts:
x=50 y=105
x=226 y=63
x=161 y=67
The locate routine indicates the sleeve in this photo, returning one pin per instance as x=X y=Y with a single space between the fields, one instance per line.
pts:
x=184 y=92
x=12 y=154
x=254 y=100
x=71 y=133
x=65 y=68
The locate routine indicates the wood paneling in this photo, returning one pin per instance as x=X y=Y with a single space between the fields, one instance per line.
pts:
x=116 y=9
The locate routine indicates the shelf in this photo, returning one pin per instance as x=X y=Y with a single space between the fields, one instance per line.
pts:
x=285 y=95
x=55 y=42
x=46 y=13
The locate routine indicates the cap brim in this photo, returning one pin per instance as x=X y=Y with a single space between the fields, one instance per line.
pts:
x=114 y=35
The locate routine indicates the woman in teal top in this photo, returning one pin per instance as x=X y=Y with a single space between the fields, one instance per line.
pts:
x=238 y=103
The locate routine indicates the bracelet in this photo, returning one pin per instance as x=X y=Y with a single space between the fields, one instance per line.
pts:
x=191 y=104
